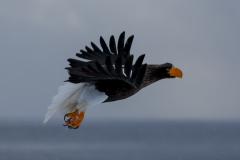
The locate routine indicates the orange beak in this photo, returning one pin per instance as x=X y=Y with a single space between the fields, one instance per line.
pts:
x=176 y=72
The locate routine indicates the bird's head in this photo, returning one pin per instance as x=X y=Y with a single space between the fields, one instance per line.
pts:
x=167 y=70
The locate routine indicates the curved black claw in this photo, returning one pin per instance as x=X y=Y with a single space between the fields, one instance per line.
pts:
x=66 y=118
x=71 y=127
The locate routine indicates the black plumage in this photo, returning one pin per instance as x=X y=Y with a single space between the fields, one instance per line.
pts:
x=112 y=70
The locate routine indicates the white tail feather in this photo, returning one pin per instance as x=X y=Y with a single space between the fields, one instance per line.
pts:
x=67 y=96
x=75 y=96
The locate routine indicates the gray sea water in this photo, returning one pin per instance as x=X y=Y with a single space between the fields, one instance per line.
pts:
x=122 y=141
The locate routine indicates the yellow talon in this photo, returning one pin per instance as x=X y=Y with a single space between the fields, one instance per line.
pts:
x=74 y=119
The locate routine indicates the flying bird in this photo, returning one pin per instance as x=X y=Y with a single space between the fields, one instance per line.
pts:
x=105 y=74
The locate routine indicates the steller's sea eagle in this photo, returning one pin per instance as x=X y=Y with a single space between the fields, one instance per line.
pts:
x=105 y=74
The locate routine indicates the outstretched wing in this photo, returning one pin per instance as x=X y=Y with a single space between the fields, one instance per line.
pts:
x=108 y=63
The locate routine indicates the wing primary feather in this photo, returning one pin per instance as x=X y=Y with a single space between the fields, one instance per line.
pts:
x=86 y=72
x=136 y=67
x=118 y=65
x=141 y=74
x=104 y=46
x=76 y=63
x=128 y=66
x=100 y=68
x=92 y=68
x=128 y=44
x=76 y=72
x=112 y=44
x=109 y=64
x=95 y=48
x=72 y=80
x=121 y=42
x=139 y=61
x=89 y=50
x=84 y=55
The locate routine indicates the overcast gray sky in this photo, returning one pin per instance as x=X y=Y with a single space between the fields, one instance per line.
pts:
x=200 y=37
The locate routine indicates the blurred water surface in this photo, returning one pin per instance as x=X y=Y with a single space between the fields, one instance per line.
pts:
x=122 y=140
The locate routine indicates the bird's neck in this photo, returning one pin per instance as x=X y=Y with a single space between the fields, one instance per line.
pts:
x=153 y=74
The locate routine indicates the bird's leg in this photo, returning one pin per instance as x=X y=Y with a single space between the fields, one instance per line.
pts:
x=73 y=119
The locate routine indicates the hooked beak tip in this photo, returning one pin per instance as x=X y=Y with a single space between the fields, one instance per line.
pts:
x=176 y=72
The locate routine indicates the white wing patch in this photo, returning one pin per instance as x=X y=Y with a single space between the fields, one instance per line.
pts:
x=75 y=96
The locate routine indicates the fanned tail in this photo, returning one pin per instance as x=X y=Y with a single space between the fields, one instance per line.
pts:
x=72 y=97
x=66 y=97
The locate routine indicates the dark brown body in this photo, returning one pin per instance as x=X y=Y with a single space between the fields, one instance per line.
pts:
x=117 y=90
x=112 y=71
